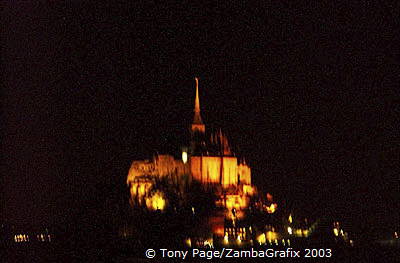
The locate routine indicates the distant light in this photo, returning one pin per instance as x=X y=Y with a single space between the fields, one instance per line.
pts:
x=156 y=202
x=272 y=208
x=290 y=218
x=336 y=231
x=299 y=232
x=188 y=242
x=290 y=230
x=271 y=235
x=184 y=157
x=261 y=239
x=226 y=241
x=209 y=243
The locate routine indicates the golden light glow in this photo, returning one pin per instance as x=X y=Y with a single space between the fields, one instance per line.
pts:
x=248 y=190
x=208 y=169
x=156 y=202
x=271 y=235
x=188 y=242
x=236 y=201
x=21 y=238
x=226 y=241
x=184 y=157
x=261 y=239
x=219 y=231
x=290 y=230
x=290 y=219
x=272 y=208
x=336 y=231
x=209 y=242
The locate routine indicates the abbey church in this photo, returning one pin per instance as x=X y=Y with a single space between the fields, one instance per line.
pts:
x=207 y=159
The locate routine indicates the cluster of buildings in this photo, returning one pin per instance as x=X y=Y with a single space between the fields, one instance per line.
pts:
x=207 y=159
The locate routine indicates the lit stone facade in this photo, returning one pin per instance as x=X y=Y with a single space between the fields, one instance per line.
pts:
x=222 y=170
x=143 y=174
x=209 y=161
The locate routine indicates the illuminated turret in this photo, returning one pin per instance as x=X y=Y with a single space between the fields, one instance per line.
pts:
x=197 y=124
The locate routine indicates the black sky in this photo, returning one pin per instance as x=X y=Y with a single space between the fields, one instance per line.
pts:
x=306 y=93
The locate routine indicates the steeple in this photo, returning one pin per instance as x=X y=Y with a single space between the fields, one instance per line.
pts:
x=197 y=124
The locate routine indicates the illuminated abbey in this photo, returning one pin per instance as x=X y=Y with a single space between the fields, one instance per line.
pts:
x=208 y=159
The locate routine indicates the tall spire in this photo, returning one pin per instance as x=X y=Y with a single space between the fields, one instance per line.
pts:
x=197 y=121
x=197 y=117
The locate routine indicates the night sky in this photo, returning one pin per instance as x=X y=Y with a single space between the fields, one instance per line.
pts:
x=305 y=93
